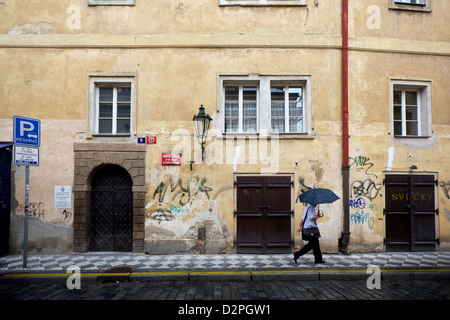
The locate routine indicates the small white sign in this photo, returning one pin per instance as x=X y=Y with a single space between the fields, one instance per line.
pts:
x=27 y=156
x=63 y=197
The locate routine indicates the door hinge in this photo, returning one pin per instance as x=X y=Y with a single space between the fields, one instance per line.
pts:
x=436 y=211
x=438 y=240
x=384 y=241
x=436 y=182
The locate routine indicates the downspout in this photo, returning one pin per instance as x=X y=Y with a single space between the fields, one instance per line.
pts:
x=345 y=238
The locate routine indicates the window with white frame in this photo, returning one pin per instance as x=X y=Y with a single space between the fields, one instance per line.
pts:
x=286 y=109
x=263 y=2
x=416 y=2
x=111 y=2
x=241 y=103
x=111 y=106
x=273 y=104
x=411 y=109
x=412 y=5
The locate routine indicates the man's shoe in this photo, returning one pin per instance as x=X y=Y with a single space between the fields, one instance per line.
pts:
x=323 y=261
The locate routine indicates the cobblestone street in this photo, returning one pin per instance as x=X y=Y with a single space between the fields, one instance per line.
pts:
x=215 y=290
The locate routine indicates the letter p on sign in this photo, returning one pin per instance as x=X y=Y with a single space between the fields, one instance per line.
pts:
x=25 y=126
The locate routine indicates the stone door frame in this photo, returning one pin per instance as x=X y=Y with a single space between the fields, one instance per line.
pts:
x=89 y=157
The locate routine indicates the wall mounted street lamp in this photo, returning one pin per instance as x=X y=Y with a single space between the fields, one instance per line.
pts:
x=201 y=124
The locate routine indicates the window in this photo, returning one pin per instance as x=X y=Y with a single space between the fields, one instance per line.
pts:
x=286 y=108
x=411 y=109
x=262 y=2
x=418 y=2
x=111 y=2
x=241 y=108
x=265 y=104
x=411 y=5
x=112 y=106
x=406 y=112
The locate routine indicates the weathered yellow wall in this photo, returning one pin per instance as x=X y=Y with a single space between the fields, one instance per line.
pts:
x=176 y=51
x=371 y=138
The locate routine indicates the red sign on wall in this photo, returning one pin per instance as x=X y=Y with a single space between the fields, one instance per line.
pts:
x=171 y=159
x=151 y=140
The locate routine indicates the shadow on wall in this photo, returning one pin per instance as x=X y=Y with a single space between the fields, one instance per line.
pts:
x=43 y=237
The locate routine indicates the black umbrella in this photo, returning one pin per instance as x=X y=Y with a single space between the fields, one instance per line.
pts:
x=318 y=196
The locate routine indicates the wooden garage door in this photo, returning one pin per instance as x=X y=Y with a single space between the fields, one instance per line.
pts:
x=263 y=215
x=410 y=213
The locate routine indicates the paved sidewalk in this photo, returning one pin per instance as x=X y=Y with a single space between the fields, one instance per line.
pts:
x=423 y=265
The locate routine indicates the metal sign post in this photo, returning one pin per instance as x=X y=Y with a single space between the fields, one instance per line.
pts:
x=25 y=230
x=27 y=139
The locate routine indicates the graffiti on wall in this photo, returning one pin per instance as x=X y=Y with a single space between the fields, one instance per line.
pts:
x=365 y=188
x=302 y=188
x=362 y=163
x=161 y=214
x=35 y=210
x=359 y=203
x=181 y=194
x=446 y=188
x=365 y=215
x=185 y=191
x=363 y=192
x=66 y=214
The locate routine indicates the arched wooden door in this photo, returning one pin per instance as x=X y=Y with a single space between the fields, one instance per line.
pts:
x=111 y=210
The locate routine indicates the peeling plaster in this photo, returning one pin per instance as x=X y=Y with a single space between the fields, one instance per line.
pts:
x=33 y=28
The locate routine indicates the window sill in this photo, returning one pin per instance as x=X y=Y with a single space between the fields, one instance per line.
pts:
x=111 y=3
x=268 y=136
x=111 y=138
x=111 y=135
x=411 y=137
x=257 y=3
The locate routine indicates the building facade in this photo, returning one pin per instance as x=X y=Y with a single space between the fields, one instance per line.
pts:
x=347 y=95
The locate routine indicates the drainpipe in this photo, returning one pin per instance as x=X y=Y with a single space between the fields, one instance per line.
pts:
x=345 y=238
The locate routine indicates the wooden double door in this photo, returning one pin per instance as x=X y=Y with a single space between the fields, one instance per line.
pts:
x=410 y=213
x=263 y=214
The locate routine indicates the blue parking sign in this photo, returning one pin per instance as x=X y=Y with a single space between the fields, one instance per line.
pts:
x=27 y=131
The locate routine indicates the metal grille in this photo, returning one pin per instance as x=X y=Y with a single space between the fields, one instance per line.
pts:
x=111 y=210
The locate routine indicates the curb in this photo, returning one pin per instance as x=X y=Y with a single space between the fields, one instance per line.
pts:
x=263 y=275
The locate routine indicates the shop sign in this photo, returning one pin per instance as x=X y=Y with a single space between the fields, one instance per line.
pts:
x=171 y=159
